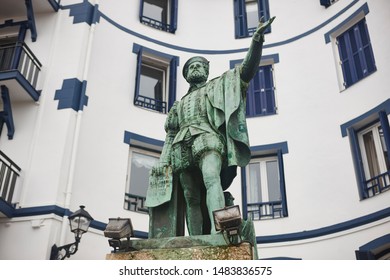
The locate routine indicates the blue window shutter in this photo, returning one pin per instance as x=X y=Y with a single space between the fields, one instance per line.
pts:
x=356 y=45
x=264 y=12
x=138 y=75
x=366 y=49
x=240 y=19
x=282 y=184
x=344 y=46
x=268 y=85
x=251 y=100
x=264 y=9
x=386 y=131
x=356 y=53
x=141 y=10
x=358 y=163
x=261 y=95
x=173 y=22
x=244 y=192
x=258 y=92
x=172 y=81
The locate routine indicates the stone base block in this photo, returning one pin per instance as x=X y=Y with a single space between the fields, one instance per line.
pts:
x=211 y=247
x=240 y=252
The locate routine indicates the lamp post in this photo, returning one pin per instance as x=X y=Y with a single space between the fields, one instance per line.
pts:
x=79 y=223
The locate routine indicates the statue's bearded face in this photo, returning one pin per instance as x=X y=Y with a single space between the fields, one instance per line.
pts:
x=197 y=73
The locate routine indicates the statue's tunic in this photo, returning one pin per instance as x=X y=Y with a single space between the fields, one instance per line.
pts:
x=196 y=136
x=211 y=117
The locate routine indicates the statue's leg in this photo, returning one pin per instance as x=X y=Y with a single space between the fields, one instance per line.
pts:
x=210 y=165
x=192 y=197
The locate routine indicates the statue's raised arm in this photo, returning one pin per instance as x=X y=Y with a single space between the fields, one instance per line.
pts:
x=252 y=59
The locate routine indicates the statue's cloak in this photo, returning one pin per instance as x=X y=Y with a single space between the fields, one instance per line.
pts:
x=226 y=105
x=226 y=96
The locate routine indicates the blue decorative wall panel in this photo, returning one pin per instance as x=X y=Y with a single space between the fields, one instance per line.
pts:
x=72 y=95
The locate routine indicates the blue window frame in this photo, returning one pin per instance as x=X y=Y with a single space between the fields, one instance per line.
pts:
x=369 y=137
x=247 y=14
x=356 y=54
x=140 y=165
x=159 y=14
x=155 y=86
x=144 y=153
x=260 y=98
x=261 y=93
x=377 y=249
x=263 y=183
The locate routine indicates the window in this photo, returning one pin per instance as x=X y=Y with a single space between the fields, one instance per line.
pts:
x=263 y=183
x=155 y=80
x=261 y=93
x=351 y=44
x=376 y=164
x=140 y=163
x=247 y=14
x=260 y=98
x=144 y=152
x=355 y=52
x=160 y=14
x=370 y=142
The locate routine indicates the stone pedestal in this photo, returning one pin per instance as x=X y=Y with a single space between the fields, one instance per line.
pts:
x=203 y=247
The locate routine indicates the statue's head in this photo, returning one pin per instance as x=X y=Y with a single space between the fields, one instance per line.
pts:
x=196 y=70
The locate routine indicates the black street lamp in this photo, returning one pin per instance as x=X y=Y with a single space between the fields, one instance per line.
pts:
x=79 y=223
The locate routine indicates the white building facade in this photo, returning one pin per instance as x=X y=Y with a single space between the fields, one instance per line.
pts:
x=86 y=85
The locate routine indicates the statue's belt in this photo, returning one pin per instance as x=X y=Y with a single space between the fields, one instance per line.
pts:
x=194 y=121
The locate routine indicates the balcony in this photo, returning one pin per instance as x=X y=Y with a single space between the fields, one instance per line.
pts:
x=378 y=184
x=9 y=172
x=19 y=68
x=19 y=71
x=16 y=9
x=16 y=12
x=265 y=210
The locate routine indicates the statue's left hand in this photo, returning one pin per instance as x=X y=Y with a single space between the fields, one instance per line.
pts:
x=263 y=26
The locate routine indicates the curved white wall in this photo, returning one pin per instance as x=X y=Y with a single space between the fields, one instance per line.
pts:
x=85 y=153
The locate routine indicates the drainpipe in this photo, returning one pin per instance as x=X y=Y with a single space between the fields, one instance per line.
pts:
x=77 y=129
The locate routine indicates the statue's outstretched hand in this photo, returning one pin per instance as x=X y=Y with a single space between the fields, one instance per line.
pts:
x=263 y=26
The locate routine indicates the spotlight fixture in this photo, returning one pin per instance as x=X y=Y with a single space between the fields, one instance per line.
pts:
x=117 y=229
x=228 y=220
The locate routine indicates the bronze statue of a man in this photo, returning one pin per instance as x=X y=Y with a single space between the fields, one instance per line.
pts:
x=206 y=138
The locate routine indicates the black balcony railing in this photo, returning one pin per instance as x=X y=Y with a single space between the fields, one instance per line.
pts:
x=155 y=23
x=9 y=172
x=378 y=184
x=265 y=210
x=135 y=203
x=18 y=56
x=151 y=103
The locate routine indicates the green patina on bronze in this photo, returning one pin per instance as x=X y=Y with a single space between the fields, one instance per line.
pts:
x=207 y=138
